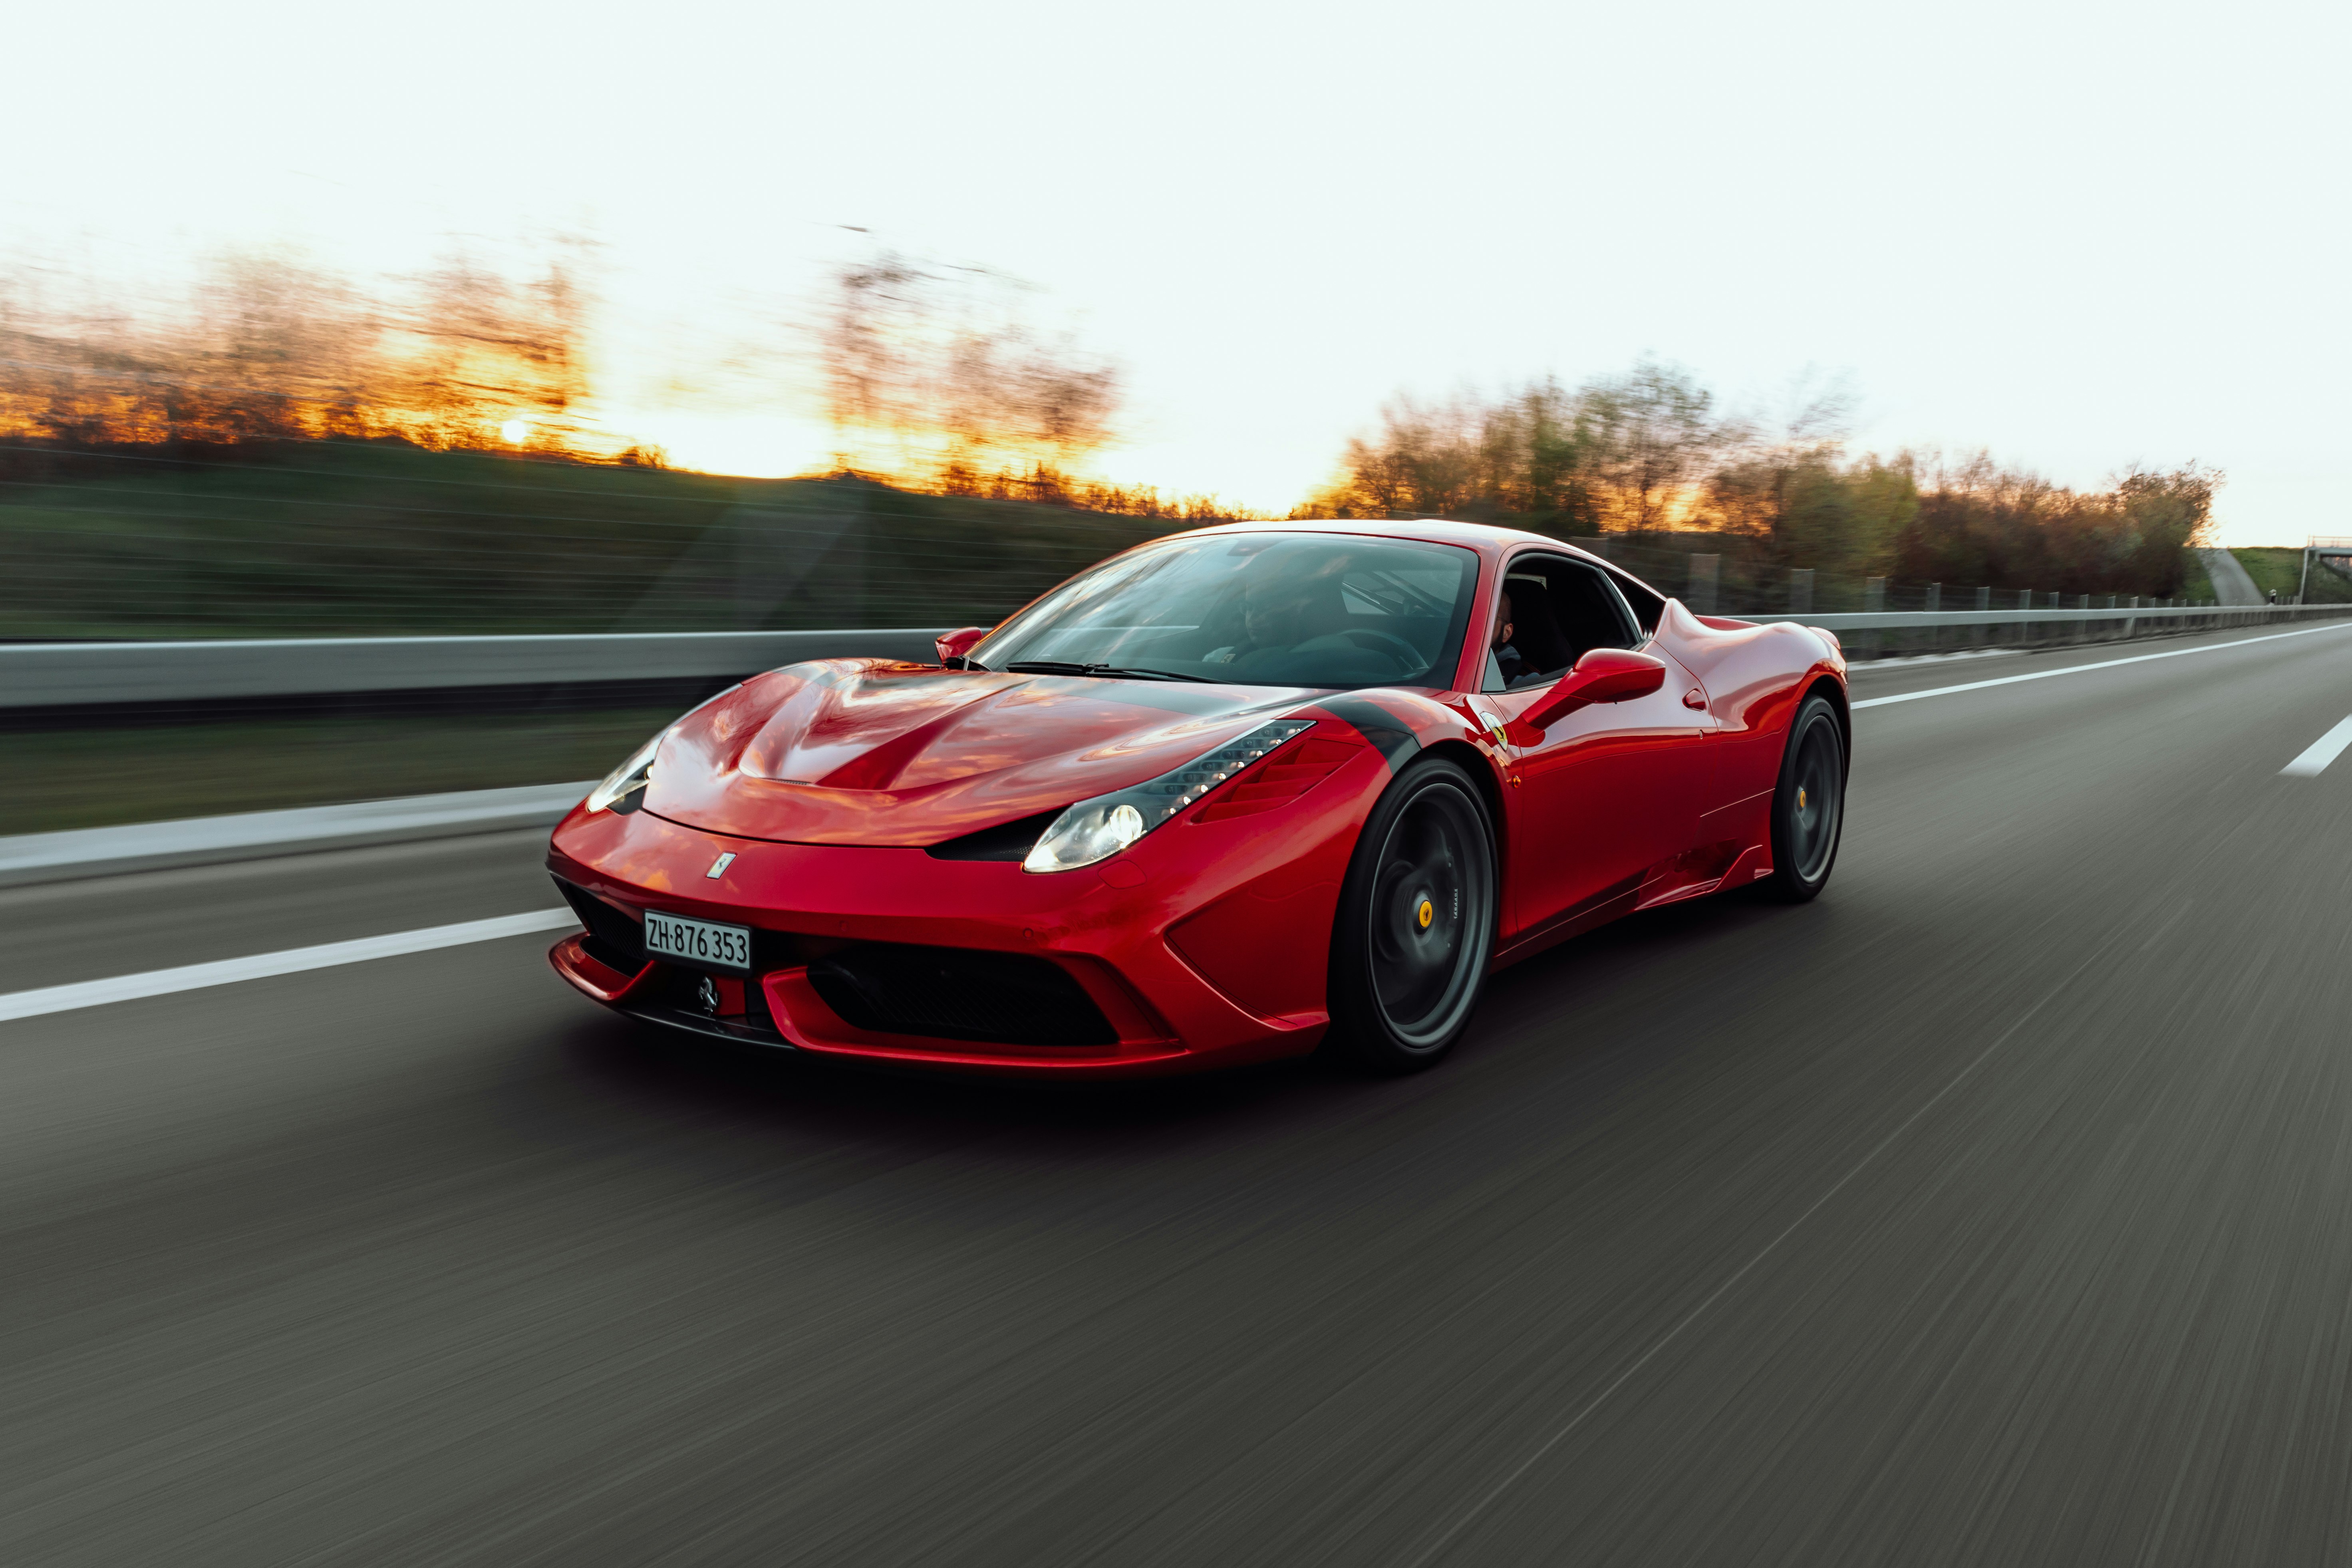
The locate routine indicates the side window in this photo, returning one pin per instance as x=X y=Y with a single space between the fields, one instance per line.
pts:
x=1590 y=612
x=1645 y=604
x=1555 y=611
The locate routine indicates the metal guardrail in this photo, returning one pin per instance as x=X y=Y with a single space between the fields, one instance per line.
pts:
x=250 y=835
x=59 y=675
x=1885 y=633
x=56 y=675
x=1882 y=633
x=2167 y=619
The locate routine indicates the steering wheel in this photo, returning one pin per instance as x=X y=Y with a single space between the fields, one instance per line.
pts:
x=1410 y=655
x=1397 y=645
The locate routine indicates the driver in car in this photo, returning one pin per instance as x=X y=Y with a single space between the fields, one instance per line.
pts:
x=1290 y=604
x=1507 y=657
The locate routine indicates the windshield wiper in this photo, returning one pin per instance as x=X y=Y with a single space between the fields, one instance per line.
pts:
x=1115 y=672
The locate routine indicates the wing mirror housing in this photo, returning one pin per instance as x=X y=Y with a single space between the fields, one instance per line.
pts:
x=1604 y=675
x=954 y=645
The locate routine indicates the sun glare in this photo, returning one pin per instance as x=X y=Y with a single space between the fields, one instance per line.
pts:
x=513 y=431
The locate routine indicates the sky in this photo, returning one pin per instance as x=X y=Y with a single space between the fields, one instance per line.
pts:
x=2080 y=236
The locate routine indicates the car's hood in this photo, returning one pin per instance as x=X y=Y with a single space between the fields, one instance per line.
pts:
x=867 y=751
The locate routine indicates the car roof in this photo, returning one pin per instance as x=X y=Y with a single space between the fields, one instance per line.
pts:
x=1484 y=537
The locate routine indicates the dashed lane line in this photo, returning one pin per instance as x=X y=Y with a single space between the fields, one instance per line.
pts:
x=2103 y=664
x=2314 y=758
x=293 y=960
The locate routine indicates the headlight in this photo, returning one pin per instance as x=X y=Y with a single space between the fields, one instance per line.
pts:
x=1100 y=829
x=624 y=788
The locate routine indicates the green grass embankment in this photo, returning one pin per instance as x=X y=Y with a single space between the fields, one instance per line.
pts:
x=322 y=539
x=2279 y=569
x=2196 y=585
x=362 y=538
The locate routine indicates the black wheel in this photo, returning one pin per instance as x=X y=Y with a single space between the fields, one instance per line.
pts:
x=1809 y=806
x=1416 y=923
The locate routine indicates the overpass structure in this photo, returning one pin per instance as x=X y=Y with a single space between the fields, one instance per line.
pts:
x=2331 y=554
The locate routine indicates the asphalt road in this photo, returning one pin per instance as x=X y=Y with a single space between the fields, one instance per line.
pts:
x=1996 y=1208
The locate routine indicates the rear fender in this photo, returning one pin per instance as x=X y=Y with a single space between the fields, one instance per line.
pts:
x=1754 y=677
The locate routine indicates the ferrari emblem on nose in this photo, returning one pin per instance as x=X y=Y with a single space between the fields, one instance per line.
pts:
x=718 y=866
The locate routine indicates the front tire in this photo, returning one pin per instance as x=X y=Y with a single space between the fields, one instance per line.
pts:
x=1416 y=923
x=1809 y=806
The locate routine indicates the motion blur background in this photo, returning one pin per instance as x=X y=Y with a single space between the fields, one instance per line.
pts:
x=506 y=318
x=1989 y=1209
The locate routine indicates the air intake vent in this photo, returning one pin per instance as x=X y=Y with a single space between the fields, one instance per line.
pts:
x=613 y=940
x=1006 y=841
x=957 y=994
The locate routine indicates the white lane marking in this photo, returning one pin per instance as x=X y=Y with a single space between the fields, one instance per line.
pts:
x=2320 y=752
x=293 y=960
x=1471 y=1515
x=2103 y=664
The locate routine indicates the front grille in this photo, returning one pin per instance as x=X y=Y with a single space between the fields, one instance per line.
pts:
x=959 y=994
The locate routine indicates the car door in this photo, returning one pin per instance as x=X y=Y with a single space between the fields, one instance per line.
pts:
x=1609 y=791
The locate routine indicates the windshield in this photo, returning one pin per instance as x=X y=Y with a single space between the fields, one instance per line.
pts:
x=1256 y=609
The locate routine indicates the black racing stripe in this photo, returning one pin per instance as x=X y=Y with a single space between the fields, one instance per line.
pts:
x=1377 y=725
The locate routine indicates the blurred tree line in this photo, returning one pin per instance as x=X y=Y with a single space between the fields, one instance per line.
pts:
x=1648 y=453
x=266 y=349
x=938 y=379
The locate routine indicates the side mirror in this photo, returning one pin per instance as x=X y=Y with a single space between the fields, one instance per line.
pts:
x=1604 y=675
x=954 y=645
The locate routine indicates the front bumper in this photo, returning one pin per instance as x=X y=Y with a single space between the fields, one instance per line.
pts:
x=1252 y=899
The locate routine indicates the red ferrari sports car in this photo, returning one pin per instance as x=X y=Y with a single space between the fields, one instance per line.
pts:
x=1234 y=794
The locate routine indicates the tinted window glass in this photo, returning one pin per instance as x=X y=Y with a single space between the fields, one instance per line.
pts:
x=1644 y=600
x=1258 y=609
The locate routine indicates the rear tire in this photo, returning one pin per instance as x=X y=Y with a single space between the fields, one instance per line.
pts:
x=1809 y=806
x=1416 y=923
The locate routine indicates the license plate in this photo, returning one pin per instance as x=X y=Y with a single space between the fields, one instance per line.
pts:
x=698 y=941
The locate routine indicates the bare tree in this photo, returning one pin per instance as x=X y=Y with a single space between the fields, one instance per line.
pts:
x=483 y=351
x=1656 y=437
x=871 y=347
x=938 y=375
